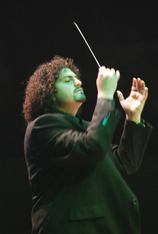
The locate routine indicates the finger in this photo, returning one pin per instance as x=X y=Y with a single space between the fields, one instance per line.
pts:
x=118 y=74
x=134 y=84
x=139 y=88
x=139 y=82
x=141 y=85
x=144 y=97
x=146 y=93
x=111 y=72
x=105 y=72
x=120 y=96
x=101 y=71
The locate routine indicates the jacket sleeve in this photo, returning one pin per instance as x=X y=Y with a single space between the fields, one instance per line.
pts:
x=55 y=137
x=132 y=146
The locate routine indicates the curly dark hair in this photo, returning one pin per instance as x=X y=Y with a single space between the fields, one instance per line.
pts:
x=40 y=87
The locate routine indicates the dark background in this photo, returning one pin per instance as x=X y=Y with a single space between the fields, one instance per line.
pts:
x=123 y=35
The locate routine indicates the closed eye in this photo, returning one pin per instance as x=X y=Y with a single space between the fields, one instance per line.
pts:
x=67 y=80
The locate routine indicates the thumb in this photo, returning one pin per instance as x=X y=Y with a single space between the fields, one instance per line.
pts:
x=120 y=96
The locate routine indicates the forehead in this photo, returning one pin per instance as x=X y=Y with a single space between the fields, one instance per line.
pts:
x=66 y=72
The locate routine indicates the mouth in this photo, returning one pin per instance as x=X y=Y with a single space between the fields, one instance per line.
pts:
x=79 y=89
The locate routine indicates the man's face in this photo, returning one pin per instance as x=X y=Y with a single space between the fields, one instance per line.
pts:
x=70 y=93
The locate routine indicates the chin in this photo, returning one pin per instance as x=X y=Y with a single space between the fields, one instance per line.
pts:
x=82 y=98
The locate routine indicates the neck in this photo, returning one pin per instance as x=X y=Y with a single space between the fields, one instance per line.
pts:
x=70 y=109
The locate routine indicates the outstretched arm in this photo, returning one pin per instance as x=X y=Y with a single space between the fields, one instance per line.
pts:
x=133 y=105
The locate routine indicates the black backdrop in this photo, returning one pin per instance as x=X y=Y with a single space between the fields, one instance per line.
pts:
x=123 y=35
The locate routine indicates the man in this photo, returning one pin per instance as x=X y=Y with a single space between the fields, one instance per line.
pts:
x=74 y=171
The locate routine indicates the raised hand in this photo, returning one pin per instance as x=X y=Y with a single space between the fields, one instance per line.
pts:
x=133 y=105
x=107 y=82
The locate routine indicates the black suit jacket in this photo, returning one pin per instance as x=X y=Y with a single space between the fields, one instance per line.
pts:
x=75 y=173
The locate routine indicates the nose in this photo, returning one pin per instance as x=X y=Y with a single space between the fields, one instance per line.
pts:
x=77 y=82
